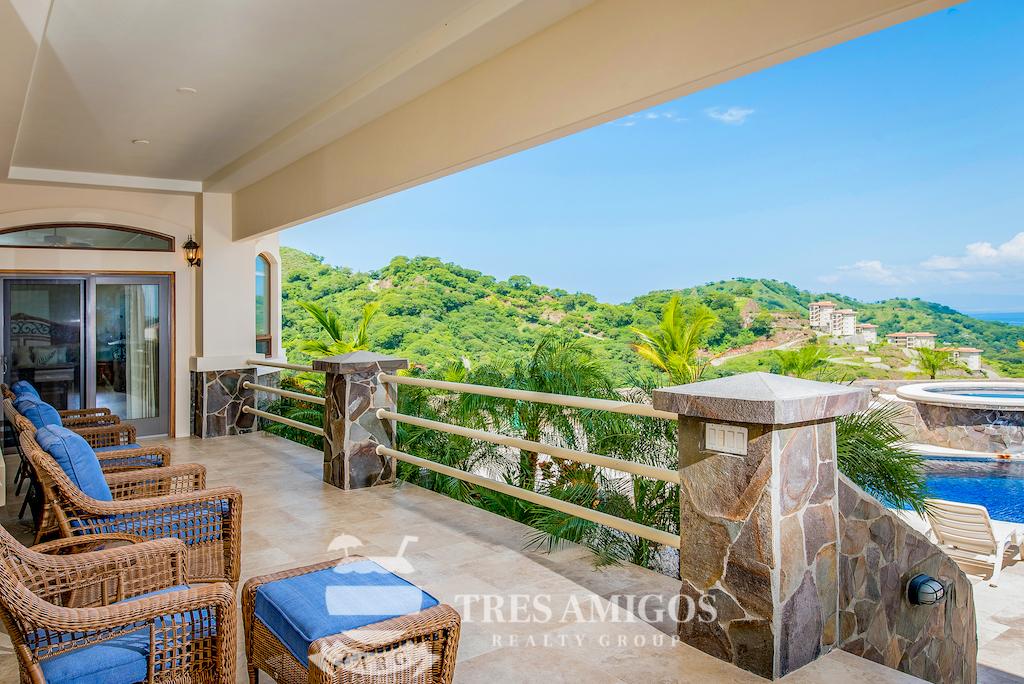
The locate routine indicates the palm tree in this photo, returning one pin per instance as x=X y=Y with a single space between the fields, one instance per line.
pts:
x=933 y=361
x=673 y=344
x=872 y=452
x=810 y=362
x=557 y=365
x=341 y=342
x=871 y=449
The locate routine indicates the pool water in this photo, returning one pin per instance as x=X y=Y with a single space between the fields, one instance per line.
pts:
x=996 y=485
x=988 y=394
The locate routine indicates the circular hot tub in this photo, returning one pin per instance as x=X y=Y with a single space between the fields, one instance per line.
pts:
x=972 y=415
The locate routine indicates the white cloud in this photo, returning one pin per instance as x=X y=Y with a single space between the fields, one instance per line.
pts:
x=734 y=116
x=868 y=270
x=633 y=119
x=982 y=257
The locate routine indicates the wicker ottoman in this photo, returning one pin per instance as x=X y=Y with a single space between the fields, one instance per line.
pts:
x=348 y=620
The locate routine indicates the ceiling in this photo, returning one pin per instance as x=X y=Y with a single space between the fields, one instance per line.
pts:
x=228 y=91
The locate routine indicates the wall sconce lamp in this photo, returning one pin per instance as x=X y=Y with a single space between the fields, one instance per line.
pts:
x=191 y=248
x=924 y=590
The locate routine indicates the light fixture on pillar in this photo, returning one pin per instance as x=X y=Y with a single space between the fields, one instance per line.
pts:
x=191 y=248
x=924 y=590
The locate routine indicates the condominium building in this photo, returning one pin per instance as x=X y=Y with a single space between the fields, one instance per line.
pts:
x=821 y=314
x=868 y=331
x=912 y=340
x=844 y=323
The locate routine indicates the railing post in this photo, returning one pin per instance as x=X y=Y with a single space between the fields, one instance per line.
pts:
x=352 y=430
x=759 y=515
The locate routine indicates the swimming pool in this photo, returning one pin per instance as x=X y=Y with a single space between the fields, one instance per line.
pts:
x=993 y=394
x=997 y=485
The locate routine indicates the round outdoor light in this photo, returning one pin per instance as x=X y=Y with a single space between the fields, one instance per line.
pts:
x=191 y=248
x=925 y=590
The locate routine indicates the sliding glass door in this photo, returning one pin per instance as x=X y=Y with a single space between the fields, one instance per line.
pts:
x=94 y=341
x=130 y=341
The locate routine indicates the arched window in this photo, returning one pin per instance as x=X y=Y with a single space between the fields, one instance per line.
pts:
x=85 y=236
x=264 y=339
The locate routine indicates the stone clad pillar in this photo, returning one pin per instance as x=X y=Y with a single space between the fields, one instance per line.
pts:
x=352 y=430
x=759 y=515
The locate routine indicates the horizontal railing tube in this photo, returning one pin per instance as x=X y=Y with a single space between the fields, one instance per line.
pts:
x=284 y=421
x=280 y=364
x=626 y=407
x=627 y=526
x=653 y=472
x=299 y=396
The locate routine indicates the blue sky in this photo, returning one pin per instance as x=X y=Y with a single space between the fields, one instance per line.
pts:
x=892 y=165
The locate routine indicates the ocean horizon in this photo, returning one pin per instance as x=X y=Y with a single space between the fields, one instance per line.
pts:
x=1011 y=317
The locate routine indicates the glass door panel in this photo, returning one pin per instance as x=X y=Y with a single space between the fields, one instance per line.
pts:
x=132 y=350
x=44 y=337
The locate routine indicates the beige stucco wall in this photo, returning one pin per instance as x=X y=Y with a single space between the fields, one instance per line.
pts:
x=214 y=305
x=612 y=58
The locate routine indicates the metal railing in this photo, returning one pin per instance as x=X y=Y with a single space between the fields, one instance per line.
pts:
x=280 y=364
x=626 y=407
x=284 y=421
x=583 y=512
x=267 y=415
x=311 y=398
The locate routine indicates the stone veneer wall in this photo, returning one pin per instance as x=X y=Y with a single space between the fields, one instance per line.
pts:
x=727 y=548
x=217 y=401
x=878 y=554
x=972 y=429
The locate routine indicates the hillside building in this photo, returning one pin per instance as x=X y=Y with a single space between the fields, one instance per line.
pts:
x=820 y=314
x=968 y=356
x=868 y=331
x=912 y=340
x=844 y=323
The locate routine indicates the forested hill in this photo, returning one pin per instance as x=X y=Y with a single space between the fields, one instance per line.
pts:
x=434 y=312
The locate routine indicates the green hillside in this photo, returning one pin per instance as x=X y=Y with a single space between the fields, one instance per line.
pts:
x=434 y=312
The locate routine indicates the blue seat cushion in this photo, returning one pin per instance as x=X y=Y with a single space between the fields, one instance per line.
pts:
x=121 y=660
x=205 y=521
x=299 y=610
x=24 y=387
x=77 y=459
x=37 y=411
x=143 y=460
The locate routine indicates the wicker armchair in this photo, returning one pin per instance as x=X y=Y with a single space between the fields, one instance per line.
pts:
x=144 y=620
x=125 y=485
x=161 y=502
x=100 y=431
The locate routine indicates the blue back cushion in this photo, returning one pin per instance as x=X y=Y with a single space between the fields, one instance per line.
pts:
x=38 y=411
x=299 y=610
x=24 y=387
x=76 y=458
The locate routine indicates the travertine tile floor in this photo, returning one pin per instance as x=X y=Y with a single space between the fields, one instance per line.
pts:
x=457 y=552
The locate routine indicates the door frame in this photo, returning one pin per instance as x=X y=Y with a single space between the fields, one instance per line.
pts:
x=172 y=306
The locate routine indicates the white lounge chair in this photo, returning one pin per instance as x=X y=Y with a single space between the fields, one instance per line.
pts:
x=966 y=528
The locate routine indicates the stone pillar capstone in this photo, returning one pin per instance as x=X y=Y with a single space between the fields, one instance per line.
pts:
x=759 y=515
x=352 y=430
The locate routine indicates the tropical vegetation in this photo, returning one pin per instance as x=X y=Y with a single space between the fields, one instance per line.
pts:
x=562 y=361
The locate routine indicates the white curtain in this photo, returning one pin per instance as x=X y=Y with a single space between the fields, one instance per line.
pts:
x=142 y=341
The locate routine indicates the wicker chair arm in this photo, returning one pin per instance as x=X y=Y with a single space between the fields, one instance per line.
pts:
x=127 y=613
x=113 y=461
x=84 y=412
x=92 y=507
x=150 y=482
x=94 y=542
x=98 y=436
x=72 y=422
x=144 y=567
